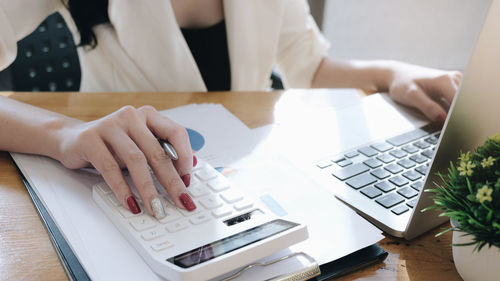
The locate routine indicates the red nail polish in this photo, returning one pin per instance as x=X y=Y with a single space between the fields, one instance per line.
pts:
x=186 y=179
x=187 y=202
x=442 y=117
x=195 y=161
x=132 y=205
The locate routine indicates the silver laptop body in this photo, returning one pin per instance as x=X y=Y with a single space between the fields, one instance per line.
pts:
x=473 y=116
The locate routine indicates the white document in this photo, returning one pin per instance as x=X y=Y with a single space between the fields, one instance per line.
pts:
x=106 y=255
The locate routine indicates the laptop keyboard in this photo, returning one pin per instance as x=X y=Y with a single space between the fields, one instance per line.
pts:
x=390 y=172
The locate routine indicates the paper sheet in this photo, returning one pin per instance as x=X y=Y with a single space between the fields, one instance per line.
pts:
x=106 y=255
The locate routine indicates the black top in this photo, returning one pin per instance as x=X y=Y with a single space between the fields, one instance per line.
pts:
x=209 y=49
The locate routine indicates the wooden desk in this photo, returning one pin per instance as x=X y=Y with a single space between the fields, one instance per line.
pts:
x=25 y=249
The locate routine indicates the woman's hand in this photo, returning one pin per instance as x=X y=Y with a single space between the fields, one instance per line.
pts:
x=128 y=137
x=429 y=90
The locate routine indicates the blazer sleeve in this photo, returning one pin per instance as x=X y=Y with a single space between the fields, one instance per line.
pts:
x=301 y=46
x=18 y=18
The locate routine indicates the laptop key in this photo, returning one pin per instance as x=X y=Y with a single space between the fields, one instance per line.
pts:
x=412 y=203
x=351 y=154
x=410 y=149
x=368 y=151
x=429 y=153
x=390 y=200
x=324 y=164
x=398 y=153
x=407 y=164
x=382 y=146
x=398 y=180
x=358 y=182
x=421 y=144
x=344 y=163
x=400 y=210
x=417 y=185
x=371 y=192
x=385 y=186
x=412 y=175
x=432 y=140
x=373 y=163
x=407 y=137
x=386 y=158
x=408 y=192
x=419 y=159
x=350 y=171
x=380 y=173
x=337 y=158
x=422 y=169
x=393 y=168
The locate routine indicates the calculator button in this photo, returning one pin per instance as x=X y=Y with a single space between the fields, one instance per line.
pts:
x=242 y=205
x=142 y=223
x=222 y=212
x=171 y=214
x=200 y=218
x=151 y=234
x=198 y=190
x=187 y=213
x=176 y=226
x=218 y=184
x=161 y=246
x=206 y=174
x=112 y=198
x=231 y=196
x=127 y=213
x=211 y=202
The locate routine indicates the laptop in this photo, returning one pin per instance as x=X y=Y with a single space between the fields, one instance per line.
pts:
x=381 y=155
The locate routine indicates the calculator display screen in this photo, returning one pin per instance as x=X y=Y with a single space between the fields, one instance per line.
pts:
x=230 y=243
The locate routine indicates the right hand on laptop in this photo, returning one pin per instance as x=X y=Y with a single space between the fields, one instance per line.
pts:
x=429 y=90
x=128 y=138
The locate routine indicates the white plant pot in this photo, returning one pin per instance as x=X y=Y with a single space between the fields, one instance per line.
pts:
x=471 y=265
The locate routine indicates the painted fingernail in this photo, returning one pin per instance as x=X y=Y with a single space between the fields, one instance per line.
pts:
x=187 y=202
x=186 y=179
x=157 y=206
x=132 y=205
x=195 y=161
x=442 y=117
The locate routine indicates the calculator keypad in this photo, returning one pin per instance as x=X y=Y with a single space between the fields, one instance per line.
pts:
x=213 y=194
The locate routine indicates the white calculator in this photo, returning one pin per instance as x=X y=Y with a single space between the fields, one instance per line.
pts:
x=226 y=231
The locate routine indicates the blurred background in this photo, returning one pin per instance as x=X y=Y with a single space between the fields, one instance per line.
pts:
x=435 y=33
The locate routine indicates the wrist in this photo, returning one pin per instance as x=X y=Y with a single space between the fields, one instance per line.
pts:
x=56 y=129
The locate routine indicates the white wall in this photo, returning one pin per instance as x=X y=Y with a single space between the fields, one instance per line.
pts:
x=437 y=33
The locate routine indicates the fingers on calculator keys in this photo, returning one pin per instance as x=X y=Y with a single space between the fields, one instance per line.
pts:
x=171 y=214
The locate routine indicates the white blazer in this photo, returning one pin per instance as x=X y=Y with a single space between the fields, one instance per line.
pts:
x=143 y=49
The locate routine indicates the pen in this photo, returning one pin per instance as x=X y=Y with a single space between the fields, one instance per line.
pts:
x=169 y=150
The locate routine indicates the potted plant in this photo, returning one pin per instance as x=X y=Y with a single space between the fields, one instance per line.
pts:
x=470 y=195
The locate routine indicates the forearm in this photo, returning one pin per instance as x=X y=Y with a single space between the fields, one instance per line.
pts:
x=28 y=129
x=371 y=76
